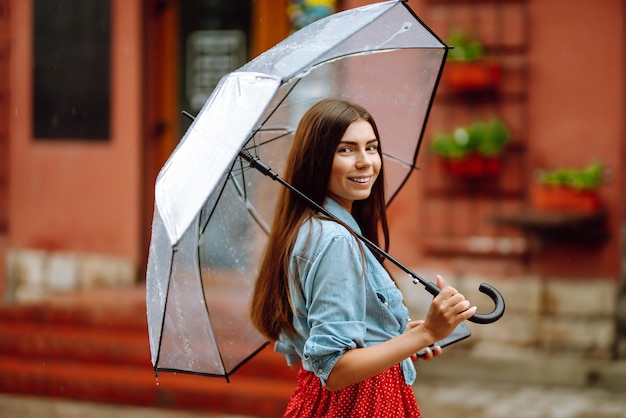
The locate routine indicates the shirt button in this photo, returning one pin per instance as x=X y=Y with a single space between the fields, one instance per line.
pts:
x=319 y=371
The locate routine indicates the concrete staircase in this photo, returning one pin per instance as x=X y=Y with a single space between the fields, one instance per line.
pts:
x=93 y=346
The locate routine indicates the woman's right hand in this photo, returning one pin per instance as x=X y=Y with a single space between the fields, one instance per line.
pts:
x=448 y=309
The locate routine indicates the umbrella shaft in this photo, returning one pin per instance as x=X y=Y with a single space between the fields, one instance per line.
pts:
x=430 y=287
x=266 y=170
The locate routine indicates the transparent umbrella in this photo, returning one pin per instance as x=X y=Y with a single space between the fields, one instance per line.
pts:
x=213 y=206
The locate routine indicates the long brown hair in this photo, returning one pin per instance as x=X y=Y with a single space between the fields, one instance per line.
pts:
x=308 y=169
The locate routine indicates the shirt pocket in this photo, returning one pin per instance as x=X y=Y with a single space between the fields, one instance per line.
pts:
x=390 y=305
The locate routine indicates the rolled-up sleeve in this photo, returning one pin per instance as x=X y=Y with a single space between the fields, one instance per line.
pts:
x=336 y=303
x=286 y=349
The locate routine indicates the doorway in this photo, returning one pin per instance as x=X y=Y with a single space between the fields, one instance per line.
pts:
x=189 y=46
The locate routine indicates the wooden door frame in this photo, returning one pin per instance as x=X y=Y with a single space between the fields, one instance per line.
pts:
x=4 y=115
x=161 y=117
x=161 y=84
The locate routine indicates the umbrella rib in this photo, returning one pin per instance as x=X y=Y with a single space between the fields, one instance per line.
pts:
x=249 y=207
x=206 y=305
x=243 y=186
x=278 y=105
x=167 y=293
x=202 y=227
x=226 y=375
x=241 y=190
x=355 y=54
x=287 y=132
x=244 y=361
x=412 y=166
x=257 y=218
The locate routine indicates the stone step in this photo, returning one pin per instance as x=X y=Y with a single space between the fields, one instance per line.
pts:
x=124 y=309
x=48 y=342
x=95 y=347
x=260 y=397
x=106 y=345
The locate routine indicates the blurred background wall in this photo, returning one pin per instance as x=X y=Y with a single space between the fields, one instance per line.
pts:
x=90 y=100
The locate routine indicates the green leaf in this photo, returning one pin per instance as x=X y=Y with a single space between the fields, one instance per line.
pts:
x=466 y=48
x=587 y=178
x=485 y=138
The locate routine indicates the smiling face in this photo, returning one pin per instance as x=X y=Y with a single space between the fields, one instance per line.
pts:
x=356 y=165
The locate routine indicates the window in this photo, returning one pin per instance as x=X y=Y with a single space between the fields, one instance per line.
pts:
x=71 y=77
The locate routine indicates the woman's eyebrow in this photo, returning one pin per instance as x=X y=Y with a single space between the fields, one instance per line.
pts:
x=355 y=143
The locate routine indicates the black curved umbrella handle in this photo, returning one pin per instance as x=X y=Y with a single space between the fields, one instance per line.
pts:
x=488 y=290
x=498 y=309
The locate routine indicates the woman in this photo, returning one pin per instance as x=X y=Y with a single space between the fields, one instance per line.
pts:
x=323 y=296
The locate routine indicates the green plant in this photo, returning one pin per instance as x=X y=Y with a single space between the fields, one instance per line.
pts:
x=466 y=48
x=483 y=138
x=587 y=178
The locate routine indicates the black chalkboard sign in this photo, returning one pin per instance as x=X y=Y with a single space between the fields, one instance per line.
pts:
x=71 y=77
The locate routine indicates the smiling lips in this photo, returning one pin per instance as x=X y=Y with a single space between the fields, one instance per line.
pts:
x=360 y=180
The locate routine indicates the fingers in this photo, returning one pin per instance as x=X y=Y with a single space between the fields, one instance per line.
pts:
x=440 y=282
x=430 y=353
x=457 y=299
x=451 y=298
x=468 y=313
x=446 y=291
x=460 y=309
x=437 y=351
x=450 y=306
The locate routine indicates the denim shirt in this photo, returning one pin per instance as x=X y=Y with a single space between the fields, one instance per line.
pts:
x=341 y=299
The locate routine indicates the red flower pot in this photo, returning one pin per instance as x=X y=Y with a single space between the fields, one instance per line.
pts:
x=472 y=75
x=564 y=199
x=473 y=166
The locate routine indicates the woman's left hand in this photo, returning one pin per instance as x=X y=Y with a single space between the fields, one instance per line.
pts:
x=429 y=353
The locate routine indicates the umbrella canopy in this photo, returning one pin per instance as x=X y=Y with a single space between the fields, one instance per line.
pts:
x=213 y=211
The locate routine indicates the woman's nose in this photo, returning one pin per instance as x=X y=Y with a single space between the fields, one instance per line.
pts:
x=363 y=159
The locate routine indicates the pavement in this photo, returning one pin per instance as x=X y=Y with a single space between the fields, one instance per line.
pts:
x=18 y=406
x=437 y=399
x=509 y=400
x=478 y=388
x=540 y=387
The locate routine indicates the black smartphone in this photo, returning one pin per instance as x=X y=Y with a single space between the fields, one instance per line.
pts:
x=460 y=333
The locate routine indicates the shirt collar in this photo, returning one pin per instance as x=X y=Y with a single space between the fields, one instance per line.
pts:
x=341 y=213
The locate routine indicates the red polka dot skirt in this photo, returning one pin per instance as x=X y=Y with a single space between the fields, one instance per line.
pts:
x=386 y=395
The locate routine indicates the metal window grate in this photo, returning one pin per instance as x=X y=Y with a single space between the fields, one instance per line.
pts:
x=457 y=209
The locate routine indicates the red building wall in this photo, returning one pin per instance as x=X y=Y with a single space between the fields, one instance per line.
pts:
x=573 y=115
x=78 y=196
x=87 y=197
x=577 y=108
